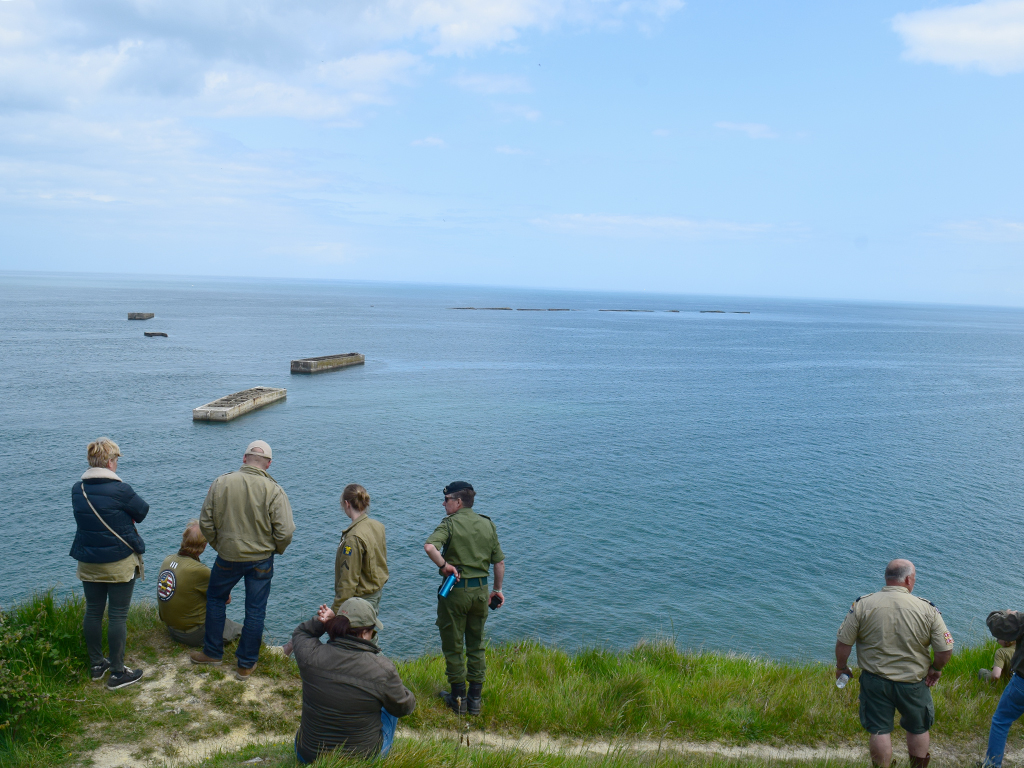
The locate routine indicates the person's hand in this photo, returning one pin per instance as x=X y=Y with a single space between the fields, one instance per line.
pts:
x=501 y=597
x=932 y=677
x=325 y=614
x=287 y=648
x=228 y=601
x=448 y=569
x=844 y=671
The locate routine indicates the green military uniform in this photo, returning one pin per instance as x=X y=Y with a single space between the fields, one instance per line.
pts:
x=469 y=542
x=892 y=630
x=361 y=563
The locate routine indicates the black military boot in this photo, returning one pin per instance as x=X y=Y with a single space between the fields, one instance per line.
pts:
x=456 y=700
x=475 y=692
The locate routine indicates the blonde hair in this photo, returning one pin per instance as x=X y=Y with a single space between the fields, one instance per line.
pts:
x=357 y=496
x=102 y=451
x=192 y=541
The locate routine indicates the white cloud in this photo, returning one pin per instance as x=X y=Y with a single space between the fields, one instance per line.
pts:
x=430 y=141
x=988 y=230
x=988 y=36
x=491 y=84
x=753 y=130
x=506 y=150
x=650 y=226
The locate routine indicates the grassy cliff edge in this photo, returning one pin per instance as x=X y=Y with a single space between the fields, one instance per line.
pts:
x=653 y=694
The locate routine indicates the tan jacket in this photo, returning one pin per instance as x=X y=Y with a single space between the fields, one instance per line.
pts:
x=361 y=563
x=246 y=516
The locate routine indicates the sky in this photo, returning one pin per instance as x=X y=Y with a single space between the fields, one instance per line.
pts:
x=865 y=151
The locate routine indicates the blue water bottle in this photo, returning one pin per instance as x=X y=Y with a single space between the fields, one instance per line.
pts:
x=446 y=586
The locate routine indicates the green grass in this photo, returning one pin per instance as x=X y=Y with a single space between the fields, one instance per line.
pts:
x=658 y=691
x=409 y=753
x=49 y=712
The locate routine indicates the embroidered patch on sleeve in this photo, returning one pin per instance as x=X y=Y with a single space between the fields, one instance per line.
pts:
x=348 y=550
x=948 y=638
x=165 y=584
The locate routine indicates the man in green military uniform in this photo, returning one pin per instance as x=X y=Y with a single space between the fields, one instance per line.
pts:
x=893 y=630
x=465 y=545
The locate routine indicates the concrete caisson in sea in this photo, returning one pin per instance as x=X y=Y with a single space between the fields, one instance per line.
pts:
x=327 y=362
x=151 y=334
x=232 y=406
x=140 y=315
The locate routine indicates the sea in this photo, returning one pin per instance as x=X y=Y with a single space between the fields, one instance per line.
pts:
x=726 y=473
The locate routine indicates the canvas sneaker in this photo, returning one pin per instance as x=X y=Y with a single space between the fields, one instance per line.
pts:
x=99 y=670
x=127 y=677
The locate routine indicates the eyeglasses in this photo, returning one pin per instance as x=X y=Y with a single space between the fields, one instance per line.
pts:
x=449 y=498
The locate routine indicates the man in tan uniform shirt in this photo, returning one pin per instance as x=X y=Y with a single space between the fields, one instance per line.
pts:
x=892 y=630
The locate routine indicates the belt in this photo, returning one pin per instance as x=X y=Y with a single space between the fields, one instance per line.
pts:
x=479 y=581
x=1018 y=674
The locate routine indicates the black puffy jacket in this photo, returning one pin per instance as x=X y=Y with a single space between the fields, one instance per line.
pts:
x=120 y=507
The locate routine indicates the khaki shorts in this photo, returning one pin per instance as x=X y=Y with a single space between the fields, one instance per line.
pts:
x=880 y=698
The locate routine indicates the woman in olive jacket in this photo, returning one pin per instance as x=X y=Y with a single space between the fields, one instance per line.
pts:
x=352 y=695
x=109 y=551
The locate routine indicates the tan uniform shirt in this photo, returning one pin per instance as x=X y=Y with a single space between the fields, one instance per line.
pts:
x=469 y=542
x=892 y=630
x=361 y=562
x=1004 y=656
x=246 y=516
x=181 y=592
x=117 y=572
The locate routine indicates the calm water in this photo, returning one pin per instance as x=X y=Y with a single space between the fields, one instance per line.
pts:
x=732 y=480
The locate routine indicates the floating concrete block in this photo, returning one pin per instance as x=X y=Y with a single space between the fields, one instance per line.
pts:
x=140 y=315
x=327 y=363
x=232 y=406
x=151 y=334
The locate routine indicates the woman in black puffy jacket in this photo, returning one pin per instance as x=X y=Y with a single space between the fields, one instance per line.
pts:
x=109 y=550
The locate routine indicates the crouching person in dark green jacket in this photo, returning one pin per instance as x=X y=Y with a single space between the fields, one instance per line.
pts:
x=352 y=695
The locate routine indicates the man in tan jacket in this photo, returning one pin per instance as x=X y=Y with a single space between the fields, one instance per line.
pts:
x=247 y=519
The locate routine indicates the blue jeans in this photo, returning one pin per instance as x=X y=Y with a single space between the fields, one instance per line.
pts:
x=223 y=577
x=1010 y=707
x=388 y=723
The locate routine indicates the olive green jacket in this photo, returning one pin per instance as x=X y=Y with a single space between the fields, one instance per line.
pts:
x=246 y=516
x=361 y=563
x=469 y=542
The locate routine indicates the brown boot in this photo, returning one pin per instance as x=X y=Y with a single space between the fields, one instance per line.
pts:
x=198 y=657
x=243 y=674
x=920 y=762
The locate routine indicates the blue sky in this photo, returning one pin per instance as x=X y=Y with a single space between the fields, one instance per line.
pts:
x=867 y=150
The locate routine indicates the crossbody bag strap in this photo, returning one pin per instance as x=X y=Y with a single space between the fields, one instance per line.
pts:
x=104 y=521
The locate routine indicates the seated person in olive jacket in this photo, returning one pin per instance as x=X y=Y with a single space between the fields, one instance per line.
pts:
x=352 y=695
x=181 y=592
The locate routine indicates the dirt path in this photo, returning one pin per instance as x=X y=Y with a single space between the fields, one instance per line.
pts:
x=186 y=714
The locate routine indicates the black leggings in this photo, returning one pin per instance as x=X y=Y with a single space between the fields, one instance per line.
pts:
x=96 y=594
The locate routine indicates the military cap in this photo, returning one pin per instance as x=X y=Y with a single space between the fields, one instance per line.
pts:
x=458 y=485
x=360 y=613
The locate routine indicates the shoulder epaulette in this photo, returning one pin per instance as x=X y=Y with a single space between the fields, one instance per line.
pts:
x=926 y=600
x=485 y=517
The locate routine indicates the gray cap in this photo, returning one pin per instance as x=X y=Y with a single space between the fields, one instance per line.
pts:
x=259 y=448
x=360 y=613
